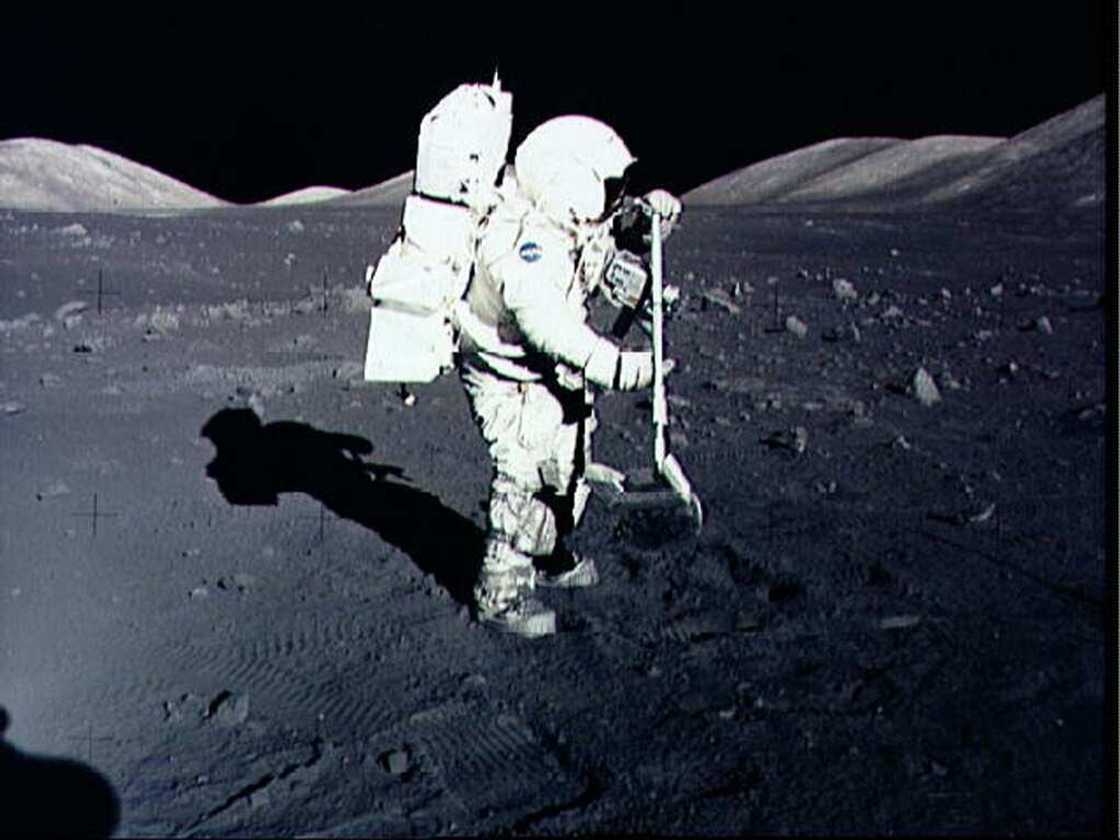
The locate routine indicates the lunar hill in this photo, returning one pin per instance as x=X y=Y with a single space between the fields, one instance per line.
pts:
x=1059 y=163
x=307 y=195
x=40 y=174
x=389 y=193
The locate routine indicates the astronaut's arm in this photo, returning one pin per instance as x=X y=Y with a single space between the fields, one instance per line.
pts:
x=551 y=327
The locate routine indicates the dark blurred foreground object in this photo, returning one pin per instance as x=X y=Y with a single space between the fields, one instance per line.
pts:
x=52 y=797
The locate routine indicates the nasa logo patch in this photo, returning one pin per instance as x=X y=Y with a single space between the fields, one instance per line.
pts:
x=530 y=252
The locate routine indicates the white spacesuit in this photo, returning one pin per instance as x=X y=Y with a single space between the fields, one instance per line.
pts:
x=527 y=356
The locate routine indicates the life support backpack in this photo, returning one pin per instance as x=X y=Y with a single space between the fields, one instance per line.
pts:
x=460 y=154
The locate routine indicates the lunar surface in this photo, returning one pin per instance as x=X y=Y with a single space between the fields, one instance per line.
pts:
x=234 y=575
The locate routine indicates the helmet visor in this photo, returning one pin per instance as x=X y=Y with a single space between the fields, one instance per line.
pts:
x=614 y=190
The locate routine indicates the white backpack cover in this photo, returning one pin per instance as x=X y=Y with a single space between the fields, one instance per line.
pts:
x=461 y=151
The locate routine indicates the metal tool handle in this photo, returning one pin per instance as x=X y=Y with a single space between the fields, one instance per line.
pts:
x=660 y=408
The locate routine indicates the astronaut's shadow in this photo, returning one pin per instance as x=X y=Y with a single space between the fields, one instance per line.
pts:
x=256 y=462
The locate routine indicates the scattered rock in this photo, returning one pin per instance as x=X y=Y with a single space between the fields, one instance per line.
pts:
x=68 y=310
x=395 y=762
x=844 y=290
x=719 y=298
x=796 y=326
x=925 y=389
x=982 y=515
x=899 y=622
x=848 y=332
x=795 y=439
x=241 y=582
x=52 y=490
x=176 y=711
x=229 y=709
x=348 y=371
x=678 y=440
x=1091 y=412
x=677 y=401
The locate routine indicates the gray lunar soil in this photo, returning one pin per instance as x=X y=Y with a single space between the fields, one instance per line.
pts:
x=234 y=575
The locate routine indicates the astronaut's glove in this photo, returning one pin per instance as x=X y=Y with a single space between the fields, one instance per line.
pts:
x=663 y=203
x=635 y=370
x=666 y=205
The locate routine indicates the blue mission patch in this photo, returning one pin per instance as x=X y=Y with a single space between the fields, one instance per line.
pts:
x=530 y=252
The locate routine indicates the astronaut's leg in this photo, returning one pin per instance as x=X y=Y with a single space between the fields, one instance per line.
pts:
x=562 y=473
x=517 y=425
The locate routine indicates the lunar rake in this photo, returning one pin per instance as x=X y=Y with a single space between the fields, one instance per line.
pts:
x=670 y=485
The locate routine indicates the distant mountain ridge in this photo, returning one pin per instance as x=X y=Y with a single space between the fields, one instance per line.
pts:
x=1058 y=163
x=39 y=174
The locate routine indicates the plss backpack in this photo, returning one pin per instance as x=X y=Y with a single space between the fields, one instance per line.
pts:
x=460 y=154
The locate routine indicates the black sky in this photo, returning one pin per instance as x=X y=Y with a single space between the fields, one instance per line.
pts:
x=247 y=107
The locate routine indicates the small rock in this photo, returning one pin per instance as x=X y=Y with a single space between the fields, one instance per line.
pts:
x=795 y=439
x=199 y=592
x=719 y=298
x=848 y=332
x=1043 y=325
x=348 y=371
x=295 y=226
x=394 y=762
x=75 y=229
x=53 y=490
x=68 y=310
x=229 y=709
x=1091 y=412
x=892 y=312
x=796 y=326
x=925 y=389
x=844 y=290
x=996 y=290
x=679 y=440
x=13 y=407
x=50 y=380
x=899 y=622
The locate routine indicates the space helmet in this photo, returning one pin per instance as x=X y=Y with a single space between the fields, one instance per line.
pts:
x=573 y=168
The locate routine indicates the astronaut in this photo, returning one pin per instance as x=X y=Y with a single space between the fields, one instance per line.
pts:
x=528 y=358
